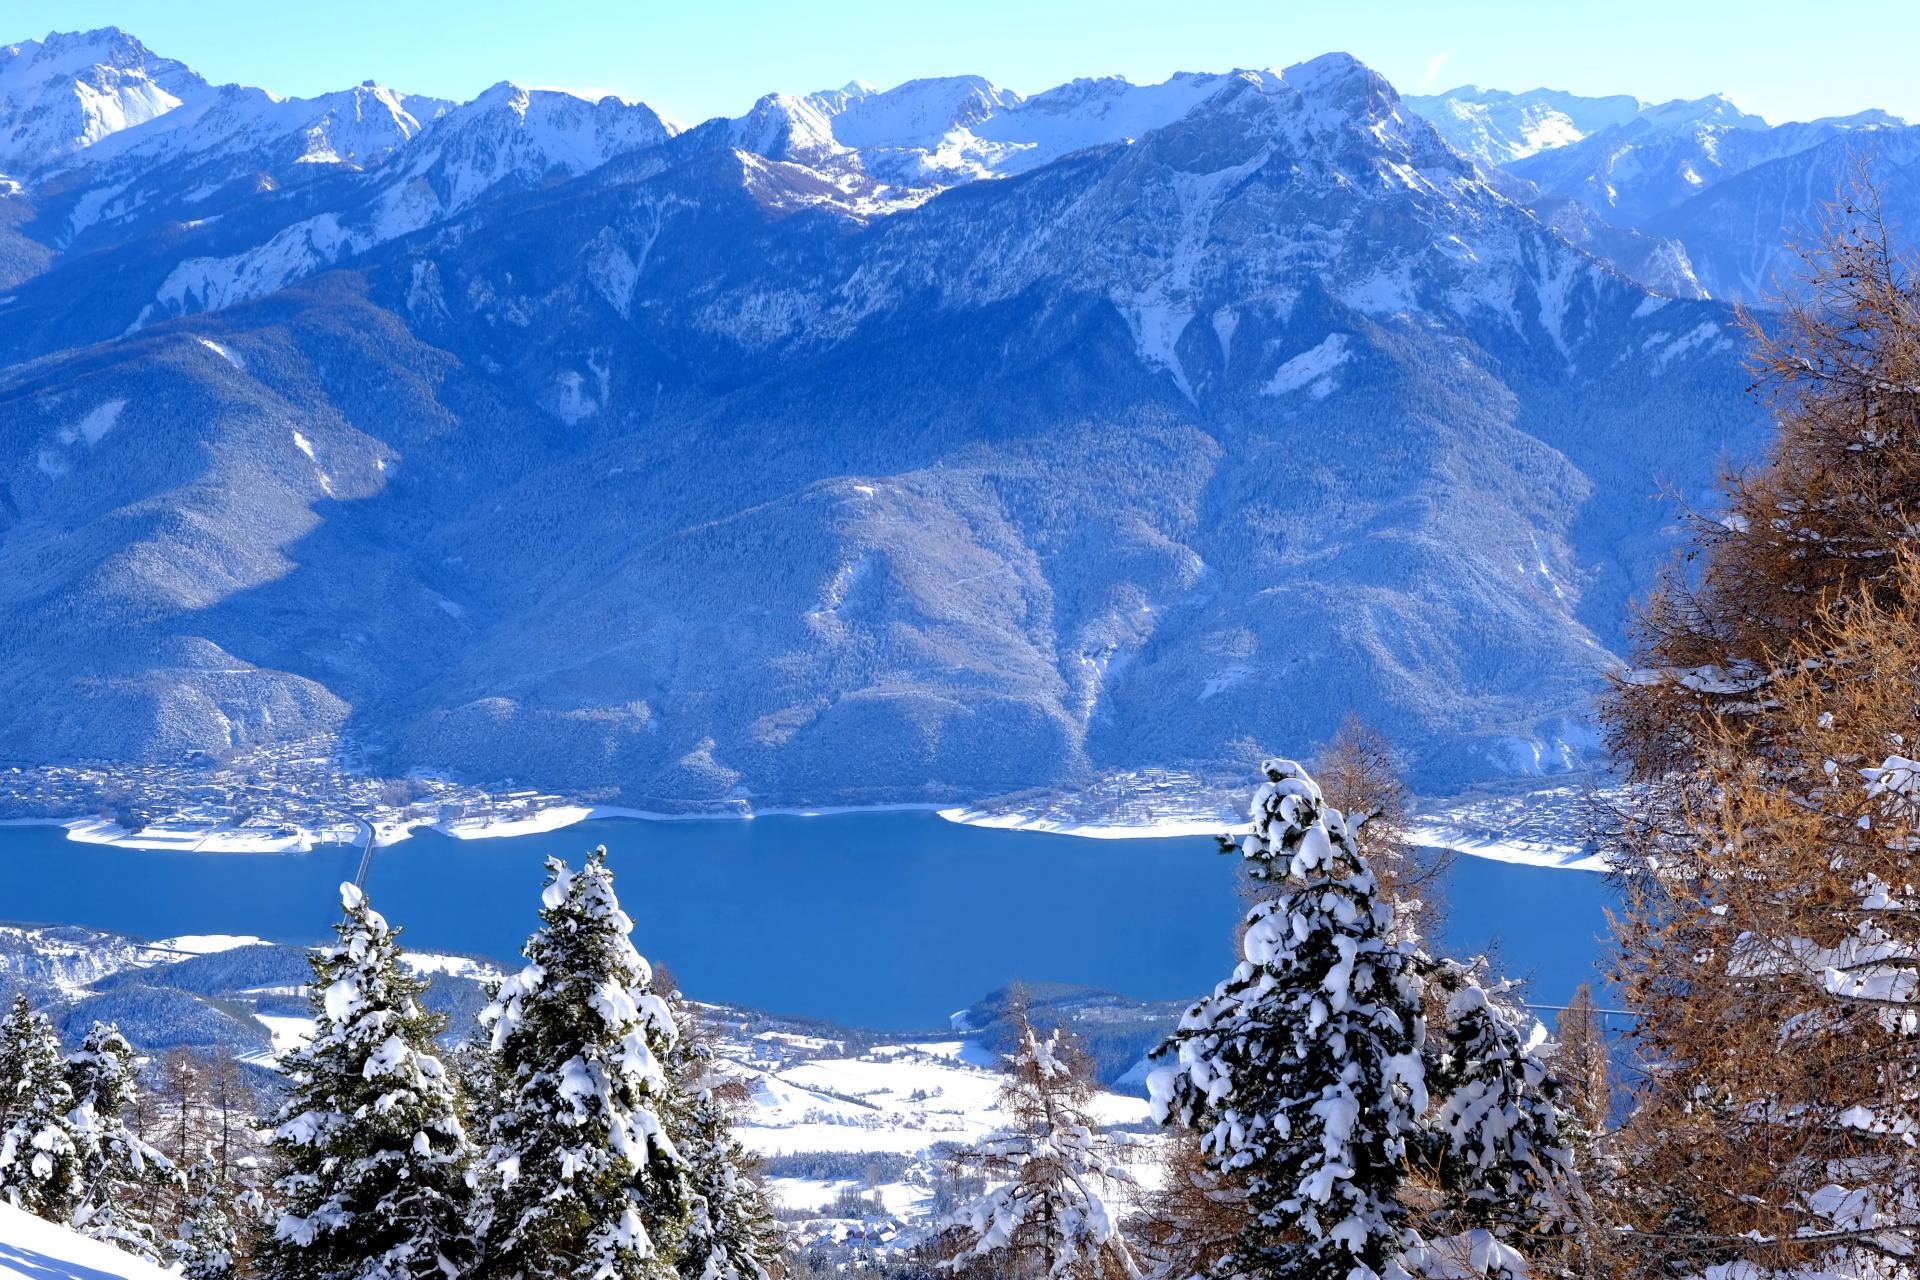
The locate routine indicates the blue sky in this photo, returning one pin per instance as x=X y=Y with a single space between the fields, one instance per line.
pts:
x=700 y=58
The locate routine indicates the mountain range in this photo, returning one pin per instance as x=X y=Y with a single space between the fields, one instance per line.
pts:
x=872 y=446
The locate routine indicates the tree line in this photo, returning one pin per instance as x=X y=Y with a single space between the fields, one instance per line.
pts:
x=584 y=1133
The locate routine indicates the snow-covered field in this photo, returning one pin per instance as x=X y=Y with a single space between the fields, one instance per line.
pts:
x=1094 y=830
x=813 y=1096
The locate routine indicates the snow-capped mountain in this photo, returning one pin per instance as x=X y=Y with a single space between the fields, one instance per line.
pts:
x=1496 y=127
x=1741 y=232
x=67 y=92
x=360 y=127
x=892 y=148
x=1667 y=154
x=874 y=463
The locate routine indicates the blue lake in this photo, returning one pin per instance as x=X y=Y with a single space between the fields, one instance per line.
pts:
x=890 y=920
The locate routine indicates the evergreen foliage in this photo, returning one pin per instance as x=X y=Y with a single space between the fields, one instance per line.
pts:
x=731 y=1231
x=117 y=1168
x=1303 y=1071
x=376 y=1153
x=208 y=1245
x=1049 y=1171
x=39 y=1160
x=1504 y=1170
x=584 y=1179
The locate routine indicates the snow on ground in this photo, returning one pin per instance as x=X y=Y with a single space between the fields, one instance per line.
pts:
x=190 y=838
x=1093 y=830
x=532 y=823
x=222 y=352
x=1544 y=827
x=206 y=944
x=1540 y=828
x=34 y=1249
x=427 y=963
x=1550 y=854
x=1312 y=370
x=892 y=1100
x=1134 y=804
x=288 y=1033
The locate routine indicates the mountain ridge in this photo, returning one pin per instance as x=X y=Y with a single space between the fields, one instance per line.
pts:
x=565 y=446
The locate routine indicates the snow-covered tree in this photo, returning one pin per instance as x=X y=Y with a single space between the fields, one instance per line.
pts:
x=1504 y=1170
x=376 y=1154
x=1303 y=1071
x=1770 y=947
x=1580 y=1063
x=1049 y=1171
x=117 y=1167
x=583 y=1178
x=731 y=1230
x=39 y=1161
x=208 y=1245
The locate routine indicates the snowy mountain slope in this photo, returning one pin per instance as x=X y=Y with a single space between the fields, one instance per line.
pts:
x=931 y=134
x=69 y=91
x=1636 y=170
x=34 y=1249
x=1029 y=480
x=1496 y=127
x=222 y=154
x=507 y=139
x=361 y=127
x=1740 y=231
x=1657 y=262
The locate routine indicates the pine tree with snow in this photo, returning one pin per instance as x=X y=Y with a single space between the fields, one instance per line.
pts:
x=583 y=1179
x=1048 y=1215
x=39 y=1161
x=1503 y=1167
x=732 y=1233
x=118 y=1168
x=376 y=1154
x=209 y=1241
x=1303 y=1071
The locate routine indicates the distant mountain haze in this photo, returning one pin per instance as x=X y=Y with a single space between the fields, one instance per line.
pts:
x=891 y=445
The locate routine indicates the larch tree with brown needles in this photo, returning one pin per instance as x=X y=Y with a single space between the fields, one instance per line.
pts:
x=1361 y=773
x=1773 y=950
x=1051 y=1175
x=1767 y=945
x=1814 y=527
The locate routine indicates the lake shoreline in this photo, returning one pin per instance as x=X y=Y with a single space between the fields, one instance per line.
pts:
x=192 y=838
x=201 y=838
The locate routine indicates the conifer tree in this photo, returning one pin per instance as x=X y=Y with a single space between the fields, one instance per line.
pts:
x=376 y=1154
x=1188 y=1222
x=1049 y=1171
x=1812 y=530
x=1303 y=1071
x=1359 y=773
x=1772 y=952
x=39 y=1161
x=1504 y=1170
x=1769 y=940
x=1580 y=1064
x=583 y=1177
x=208 y=1245
x=117 y=1168
x=731 y=1230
